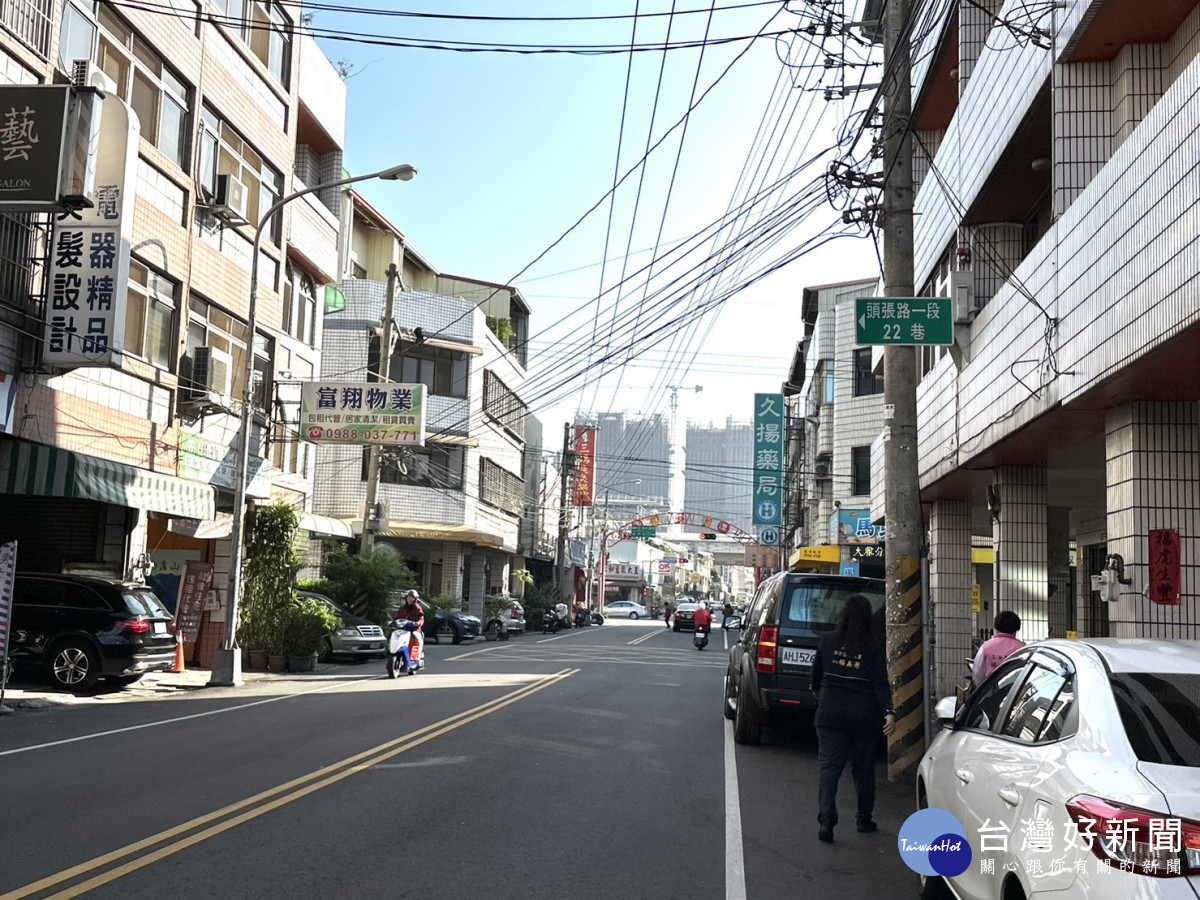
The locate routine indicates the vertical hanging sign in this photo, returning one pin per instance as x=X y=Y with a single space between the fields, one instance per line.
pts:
x=89 y=254
x=585 y=466
x=8 y=571
x=768 y=459
x=1166 y=578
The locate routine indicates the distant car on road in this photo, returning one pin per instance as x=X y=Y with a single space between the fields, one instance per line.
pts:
x=683 y=617
x=80 y=628
x=513 y=619
x=451 y=625
x=357 y=637
x=625 y=609
x=1093 y=736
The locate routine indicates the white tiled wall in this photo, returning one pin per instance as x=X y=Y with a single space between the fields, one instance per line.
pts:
x=950 y=580
x=1019 y=537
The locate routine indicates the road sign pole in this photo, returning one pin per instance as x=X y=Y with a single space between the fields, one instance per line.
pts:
x=902 y=481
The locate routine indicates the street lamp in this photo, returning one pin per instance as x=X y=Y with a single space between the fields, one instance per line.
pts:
x=227 y=661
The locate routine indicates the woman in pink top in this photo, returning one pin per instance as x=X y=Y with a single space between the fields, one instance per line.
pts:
x=999 y=648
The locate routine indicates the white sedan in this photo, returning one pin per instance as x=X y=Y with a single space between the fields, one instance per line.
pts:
x=625 y=609
x=1075 y=771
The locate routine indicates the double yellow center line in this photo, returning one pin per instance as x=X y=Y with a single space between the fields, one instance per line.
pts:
x=109 y=867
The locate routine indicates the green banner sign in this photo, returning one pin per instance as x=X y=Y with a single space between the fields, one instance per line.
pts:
x=768 y=459
x=644 y=531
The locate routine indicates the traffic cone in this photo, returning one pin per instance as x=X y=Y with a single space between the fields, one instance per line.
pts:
x=179 y=667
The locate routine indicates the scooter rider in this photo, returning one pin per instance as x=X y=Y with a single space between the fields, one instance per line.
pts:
x=410 y=611
x=702 y=619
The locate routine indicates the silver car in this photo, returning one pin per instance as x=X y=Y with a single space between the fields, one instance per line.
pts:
x=358 y=638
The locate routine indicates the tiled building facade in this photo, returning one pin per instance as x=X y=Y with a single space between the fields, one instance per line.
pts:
x=219 y=105
x=1063 y=427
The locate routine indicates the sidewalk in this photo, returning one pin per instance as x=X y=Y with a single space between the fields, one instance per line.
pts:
x=31 y=693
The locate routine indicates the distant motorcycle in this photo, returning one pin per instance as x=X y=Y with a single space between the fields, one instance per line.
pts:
x=700 y=638
x=404 y=654
x=556 y=620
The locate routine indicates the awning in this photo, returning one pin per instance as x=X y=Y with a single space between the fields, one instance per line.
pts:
x=432 y=532
x=37 y=470
x=324 y=526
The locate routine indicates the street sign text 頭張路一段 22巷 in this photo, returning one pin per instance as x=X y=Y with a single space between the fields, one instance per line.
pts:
x=904 y=321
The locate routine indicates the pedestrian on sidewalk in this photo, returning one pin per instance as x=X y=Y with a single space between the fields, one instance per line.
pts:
x=999 y=648
x=667 y=613
x=854 y=704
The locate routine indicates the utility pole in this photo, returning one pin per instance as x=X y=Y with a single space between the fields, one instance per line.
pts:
x=367 y=546
x=565 y=588
x=675 y=473
x=902 y=487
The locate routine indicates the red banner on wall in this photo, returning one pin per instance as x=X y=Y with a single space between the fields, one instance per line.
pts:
x=585 y=466
x=1166 y=579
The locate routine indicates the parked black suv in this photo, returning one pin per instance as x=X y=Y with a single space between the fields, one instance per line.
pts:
x=80 y=628
x=771 y=663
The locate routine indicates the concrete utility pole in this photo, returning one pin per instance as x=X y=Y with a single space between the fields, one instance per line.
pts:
x=565 y=589
x=905 y=652
x=367 y=546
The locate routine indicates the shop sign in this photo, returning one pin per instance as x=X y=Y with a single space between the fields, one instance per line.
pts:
x=193 y=596
x=89 y=256
x=768 y=459
x=216 y=464
x=359 y=412
x=585 y=466
x=33 y=126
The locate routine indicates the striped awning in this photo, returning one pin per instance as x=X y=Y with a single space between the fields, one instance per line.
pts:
x=325 y=526
x=36 y=470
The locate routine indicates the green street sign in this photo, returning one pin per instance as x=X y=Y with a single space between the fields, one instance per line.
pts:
x=904 y=321
x=644 y=531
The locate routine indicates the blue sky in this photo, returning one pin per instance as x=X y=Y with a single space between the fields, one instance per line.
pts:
x=513 y=149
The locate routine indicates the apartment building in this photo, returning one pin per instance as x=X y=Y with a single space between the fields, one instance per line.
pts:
x=124 y=463
x=834 y=413
x=456 y=507
x=1056 y=197
x=717 y=471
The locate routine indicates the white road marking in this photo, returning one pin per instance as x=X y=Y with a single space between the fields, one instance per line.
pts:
x=735 y=869
x=643 y=638
x=561 y=636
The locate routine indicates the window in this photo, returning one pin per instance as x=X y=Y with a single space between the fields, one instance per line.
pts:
x=77 y=35
x=157 y=94
x=814 y=605
x=30 y=21
x=866 y=382
x=442 y=371
x=299 y=305
x=266 y=31
x=434 y=465
x=1156 y=710
x=1033 y=704
x=984 y=708
x=503 y=405
x=150 y=316
x=860 y=471
x=223 y=152
x=210 y=326
x=500 y=488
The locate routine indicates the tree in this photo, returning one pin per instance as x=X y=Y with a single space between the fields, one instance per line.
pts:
x=361 y=584
x=271 y=567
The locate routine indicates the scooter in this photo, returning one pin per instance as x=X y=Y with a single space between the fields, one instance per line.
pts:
x=404 y=654
x=556 y=620
x=700 y=638
x=583 y=618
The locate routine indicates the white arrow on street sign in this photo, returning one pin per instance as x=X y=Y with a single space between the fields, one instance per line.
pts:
x=862 y=321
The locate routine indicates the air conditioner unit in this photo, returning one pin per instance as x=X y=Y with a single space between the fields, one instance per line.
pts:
x=86 y=74
x=823 y=467
x=231 y=200
x=212 y=377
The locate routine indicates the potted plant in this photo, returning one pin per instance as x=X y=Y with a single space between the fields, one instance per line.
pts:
x=270 y=571
x=305 y=627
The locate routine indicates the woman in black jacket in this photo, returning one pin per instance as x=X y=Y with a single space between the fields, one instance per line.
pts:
x=849 y=679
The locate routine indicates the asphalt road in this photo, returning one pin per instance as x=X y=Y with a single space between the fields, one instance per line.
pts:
x=592 y=764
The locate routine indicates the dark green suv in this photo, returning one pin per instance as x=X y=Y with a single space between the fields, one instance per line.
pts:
x=770 y=664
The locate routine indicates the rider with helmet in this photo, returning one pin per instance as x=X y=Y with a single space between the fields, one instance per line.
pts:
x=411 y=611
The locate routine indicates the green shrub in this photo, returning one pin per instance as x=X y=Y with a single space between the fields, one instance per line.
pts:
x=270 y=572
x=362 y=585
x=306 y=625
